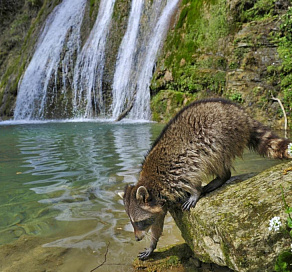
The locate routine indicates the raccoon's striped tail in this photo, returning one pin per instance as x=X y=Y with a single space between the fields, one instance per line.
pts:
x=267 y=143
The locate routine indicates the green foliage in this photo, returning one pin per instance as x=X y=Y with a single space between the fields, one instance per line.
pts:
x=256 y=10
x=166 y=104
x=234 y=96
x=288 y=210
x=172 y=261
x=199 y=28
x=285 y=53
x=284 y=260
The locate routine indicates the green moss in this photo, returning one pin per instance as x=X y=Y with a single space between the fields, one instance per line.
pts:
x=166 y=259
x=35 y=3
x=284 y=72
x=226 y=252
x=166 y=104
x=91 y=7
x=256 y=10
x=235 y=96
x=200 y=26
x=211 y=38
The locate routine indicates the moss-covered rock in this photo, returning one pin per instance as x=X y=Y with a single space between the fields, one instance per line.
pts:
x=166 y=104
x=178 y=258
x=238 y=49
x=166 y=259
x=230 y=226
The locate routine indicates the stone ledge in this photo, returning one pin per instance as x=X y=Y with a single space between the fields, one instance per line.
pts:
x=229 y=227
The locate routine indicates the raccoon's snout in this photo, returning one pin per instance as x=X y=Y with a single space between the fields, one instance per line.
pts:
x=139 y=235
x=138 y=238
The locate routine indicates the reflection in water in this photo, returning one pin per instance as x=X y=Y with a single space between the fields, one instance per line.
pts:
x=127 y=144
x=79 y=170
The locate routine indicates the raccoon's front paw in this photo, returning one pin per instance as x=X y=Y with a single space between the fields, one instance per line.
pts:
x=190 y=203
x=145 y=254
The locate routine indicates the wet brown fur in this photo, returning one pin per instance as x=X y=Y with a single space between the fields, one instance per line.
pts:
x=202 y=140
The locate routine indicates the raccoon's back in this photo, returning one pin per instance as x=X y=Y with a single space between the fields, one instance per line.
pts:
x=217 y=129
x=203 y=138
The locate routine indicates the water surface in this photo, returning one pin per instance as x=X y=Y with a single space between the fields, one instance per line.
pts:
x=58 y=193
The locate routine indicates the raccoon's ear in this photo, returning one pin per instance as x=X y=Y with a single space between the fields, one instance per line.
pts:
x=142 y=194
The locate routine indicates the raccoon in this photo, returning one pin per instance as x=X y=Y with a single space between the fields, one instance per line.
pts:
x=202 y=140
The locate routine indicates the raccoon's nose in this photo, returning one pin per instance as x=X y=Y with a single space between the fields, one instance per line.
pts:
x=139 y=235
x=138 y=238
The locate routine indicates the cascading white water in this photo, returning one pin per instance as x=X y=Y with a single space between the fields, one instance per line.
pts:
x=125 y=60
x=132 y=86
x=141 y=107
x=57 y=85
x=90 y=63
x=62 y=29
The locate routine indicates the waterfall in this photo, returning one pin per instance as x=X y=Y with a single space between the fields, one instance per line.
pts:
x=90 y=63
x=141 y=107
x=62 y=29
x=134 y=69
x=125 y=61
x=64 y=80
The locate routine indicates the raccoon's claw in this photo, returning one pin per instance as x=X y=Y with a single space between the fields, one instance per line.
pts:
x=190 y=203
x=145 y=254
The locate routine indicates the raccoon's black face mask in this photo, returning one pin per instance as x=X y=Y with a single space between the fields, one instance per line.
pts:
x=144 y=224
x=142 y=209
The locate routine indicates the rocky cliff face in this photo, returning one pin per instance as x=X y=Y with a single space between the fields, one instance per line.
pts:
x=228 y=48
x=230 y=227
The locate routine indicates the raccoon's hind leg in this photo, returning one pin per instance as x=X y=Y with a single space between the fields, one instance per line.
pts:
x=216 y=183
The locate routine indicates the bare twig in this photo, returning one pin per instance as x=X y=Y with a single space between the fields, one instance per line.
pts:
x=105 y=255
x=284 y=113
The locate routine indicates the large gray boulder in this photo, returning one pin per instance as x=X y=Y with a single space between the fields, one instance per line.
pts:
x=229 y=227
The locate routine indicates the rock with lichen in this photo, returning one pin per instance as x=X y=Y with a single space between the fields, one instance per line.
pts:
x=230 y=227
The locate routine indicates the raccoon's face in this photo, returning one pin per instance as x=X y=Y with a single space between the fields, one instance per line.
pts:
x=142 y=208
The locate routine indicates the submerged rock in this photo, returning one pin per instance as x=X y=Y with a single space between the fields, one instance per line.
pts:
x=229 y=227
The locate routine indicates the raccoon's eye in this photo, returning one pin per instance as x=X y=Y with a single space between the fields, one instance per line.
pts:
x=144 y=224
